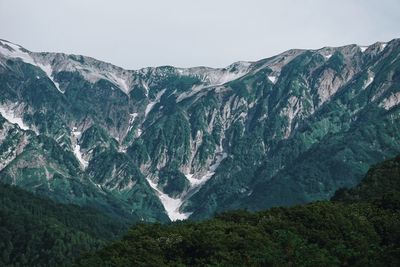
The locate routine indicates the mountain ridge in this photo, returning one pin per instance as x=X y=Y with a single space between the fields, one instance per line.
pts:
x=194 y=69
x=362 y=46
x=171 y=141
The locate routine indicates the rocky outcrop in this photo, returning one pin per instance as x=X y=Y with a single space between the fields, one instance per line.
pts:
x=192 y=142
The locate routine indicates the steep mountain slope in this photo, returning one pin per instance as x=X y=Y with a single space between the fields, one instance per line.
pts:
x=360 y=228
x=170 y=142
x=40 y=164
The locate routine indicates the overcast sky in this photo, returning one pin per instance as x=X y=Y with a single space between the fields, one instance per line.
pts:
x=135 y=34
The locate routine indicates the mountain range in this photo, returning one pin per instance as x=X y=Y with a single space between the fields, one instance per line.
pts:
x=167 y=143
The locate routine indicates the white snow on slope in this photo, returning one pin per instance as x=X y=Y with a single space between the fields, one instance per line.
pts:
x=18 y=52
x=76 y=133
x=92 y=70
x=171 y=205
x=132 y=117
x=78 y=155
x=151 y=104
x=370 y=79
x=211 y=171
x=49 y=72
x=363 y=48
x=139 y=132
x=146 y=87
x=77 y=148
x=326 y=52
x=149 y=107
x=272 y=78
x=15 y=52
x=8 y=114
x=131 y=120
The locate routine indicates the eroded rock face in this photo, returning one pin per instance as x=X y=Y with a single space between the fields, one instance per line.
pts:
x=392 y=101
x=170 y=142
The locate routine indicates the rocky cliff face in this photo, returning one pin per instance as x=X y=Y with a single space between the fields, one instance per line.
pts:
x=167 y=142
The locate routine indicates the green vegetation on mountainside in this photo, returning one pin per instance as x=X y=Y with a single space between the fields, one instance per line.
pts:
x=36 y=231
x=361 y=227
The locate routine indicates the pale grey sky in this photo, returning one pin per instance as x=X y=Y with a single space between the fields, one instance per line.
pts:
x=134 y=34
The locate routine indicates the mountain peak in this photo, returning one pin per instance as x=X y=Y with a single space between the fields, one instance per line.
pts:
x=166 y=141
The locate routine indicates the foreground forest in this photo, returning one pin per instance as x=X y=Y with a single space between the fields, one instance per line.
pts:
x=36 y=231
x=358 y=227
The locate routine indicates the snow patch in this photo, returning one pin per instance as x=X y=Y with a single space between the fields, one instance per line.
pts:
x=49 y=72
x=363 y=48
x=77 y=148
x=11 y=50
x=8 y=113
x=171 y=205
x=132 y=118
x=91 y=69
x=122 y=149
x=18 y=52
x=151 y=104
x=149 y=107
x=78 y=155
x=146 y=87
x=210 y=173
x=76 y=133
x=370 y=79
x=139 y=132
x=272 y=78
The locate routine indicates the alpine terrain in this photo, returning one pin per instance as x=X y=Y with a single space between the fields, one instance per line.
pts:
x=167 y=143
